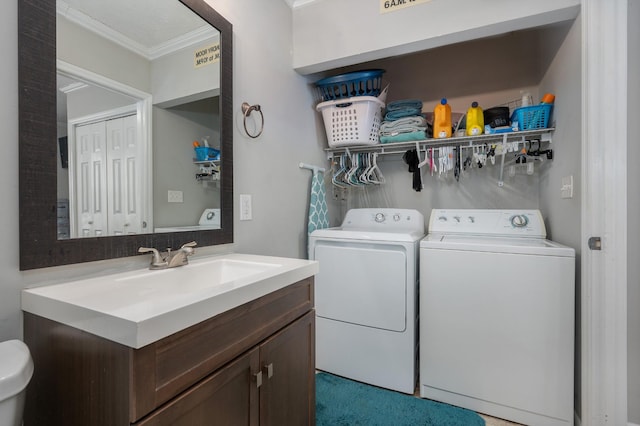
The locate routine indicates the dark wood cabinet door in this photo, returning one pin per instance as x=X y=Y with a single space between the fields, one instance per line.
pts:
x=287 y=395
x=228 y=397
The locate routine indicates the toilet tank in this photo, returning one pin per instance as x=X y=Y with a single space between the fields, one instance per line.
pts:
x=16 y=369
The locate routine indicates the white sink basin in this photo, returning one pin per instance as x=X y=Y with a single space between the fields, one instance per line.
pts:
x=139 y=307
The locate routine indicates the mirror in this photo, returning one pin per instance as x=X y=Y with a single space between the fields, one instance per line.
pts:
x=195 y=114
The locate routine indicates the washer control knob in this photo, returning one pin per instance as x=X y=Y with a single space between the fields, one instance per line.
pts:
x=379 y=217
x=457 y=218
x=519 y=221
x=396 y=217
x=442 y=218
x=471 y=219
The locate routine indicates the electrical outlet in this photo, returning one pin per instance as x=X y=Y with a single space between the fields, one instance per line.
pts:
x=174 y=196
x=245 y=207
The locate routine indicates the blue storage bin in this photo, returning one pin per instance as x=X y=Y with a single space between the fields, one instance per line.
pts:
x=532 y=117
x=343 y=86
x=204 y=153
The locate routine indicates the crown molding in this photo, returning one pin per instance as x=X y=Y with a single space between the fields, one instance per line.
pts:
x=173 y=45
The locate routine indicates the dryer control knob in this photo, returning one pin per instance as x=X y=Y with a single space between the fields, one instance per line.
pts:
x=379 y=217
x=519 y=221
x=442 y=218
x=396 y=217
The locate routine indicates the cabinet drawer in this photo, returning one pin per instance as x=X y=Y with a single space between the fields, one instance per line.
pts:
x=164 y=369
x=226 y=396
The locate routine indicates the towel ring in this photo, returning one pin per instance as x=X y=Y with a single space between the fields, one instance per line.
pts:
x=246 y=110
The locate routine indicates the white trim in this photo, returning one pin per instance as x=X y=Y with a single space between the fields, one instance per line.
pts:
x=143 y=109
x=604 y=213
x=150 y=53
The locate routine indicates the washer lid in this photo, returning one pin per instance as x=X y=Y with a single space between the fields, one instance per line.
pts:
x=16 y=368
x=530 y=246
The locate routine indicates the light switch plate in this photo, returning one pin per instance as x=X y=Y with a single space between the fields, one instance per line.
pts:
x=566 y=191
x=174 y=196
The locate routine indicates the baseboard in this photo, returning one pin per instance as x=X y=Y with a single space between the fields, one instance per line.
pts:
x=577 y=422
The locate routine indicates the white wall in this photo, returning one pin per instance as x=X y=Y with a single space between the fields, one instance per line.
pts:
x=344 y=33
x=633 y=272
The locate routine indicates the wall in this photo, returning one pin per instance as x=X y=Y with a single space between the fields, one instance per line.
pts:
x=79 y=47
x=174 y=130
x=562 y=216
x=266 y=167
x=413 y=29
x=449 y=71
x=633 y=200
x=202 y=82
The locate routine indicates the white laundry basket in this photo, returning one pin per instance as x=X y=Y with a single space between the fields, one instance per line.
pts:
x=353 y=121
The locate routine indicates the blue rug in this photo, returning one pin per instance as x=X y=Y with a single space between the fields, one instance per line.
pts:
x=342 y=402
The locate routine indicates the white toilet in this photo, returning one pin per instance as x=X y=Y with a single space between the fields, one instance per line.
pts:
x=16 y=368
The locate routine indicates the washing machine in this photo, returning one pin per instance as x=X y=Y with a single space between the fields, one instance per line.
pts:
x=366 y=297
x=497 y=316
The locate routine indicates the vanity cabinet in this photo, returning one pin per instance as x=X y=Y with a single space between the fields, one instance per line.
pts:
x=251 y=365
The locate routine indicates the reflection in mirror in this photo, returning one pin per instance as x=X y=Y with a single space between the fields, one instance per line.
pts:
x=163 y=95
x=127 y=139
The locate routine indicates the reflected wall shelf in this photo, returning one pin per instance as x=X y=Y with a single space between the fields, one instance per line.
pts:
x=208 y=170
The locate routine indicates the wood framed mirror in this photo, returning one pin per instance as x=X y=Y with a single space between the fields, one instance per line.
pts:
x=39 y=150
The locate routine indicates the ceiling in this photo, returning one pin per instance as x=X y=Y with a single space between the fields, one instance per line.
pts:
x=295 y=3
x=144 y=26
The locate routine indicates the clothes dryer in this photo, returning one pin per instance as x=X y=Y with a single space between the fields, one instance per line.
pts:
x=366 y=297
x=497 y=316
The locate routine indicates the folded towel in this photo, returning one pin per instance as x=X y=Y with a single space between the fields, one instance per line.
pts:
x=405 y=137
x=402 y=123
x=401 y=113
x=404 y=103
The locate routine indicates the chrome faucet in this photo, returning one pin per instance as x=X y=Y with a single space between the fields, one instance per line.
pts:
x=169 y=259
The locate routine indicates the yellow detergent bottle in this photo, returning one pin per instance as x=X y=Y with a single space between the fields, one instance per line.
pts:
x=442 y=120
x=475 y=120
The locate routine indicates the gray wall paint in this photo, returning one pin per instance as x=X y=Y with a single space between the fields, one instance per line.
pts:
x=197 y=83
x=87 y=50
x=266 y=168
x=633 y=213
x=562 y=216
x=174 y=130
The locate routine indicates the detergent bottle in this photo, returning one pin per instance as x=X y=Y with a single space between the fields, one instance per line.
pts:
x=475 y=120
x=442 y=120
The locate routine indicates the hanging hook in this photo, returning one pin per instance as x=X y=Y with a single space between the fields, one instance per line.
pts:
x=246 y=110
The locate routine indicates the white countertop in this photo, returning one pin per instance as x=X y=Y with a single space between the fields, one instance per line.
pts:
x=136 y=308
